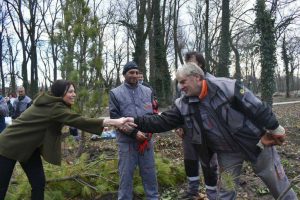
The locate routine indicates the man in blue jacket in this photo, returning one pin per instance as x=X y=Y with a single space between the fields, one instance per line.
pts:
x=21 y=103
x=132 y=99
x=226 y=117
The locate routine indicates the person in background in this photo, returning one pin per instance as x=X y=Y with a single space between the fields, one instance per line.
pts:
x=12 y=97
x=75 y=133
x=144 y=83
x=134 y=99
x=107 y=134
x=229 y=119
x=191 y=151
x=37 y=132
x=3 y=113
x=154 y=100
x=10 y=106
x=21 y=103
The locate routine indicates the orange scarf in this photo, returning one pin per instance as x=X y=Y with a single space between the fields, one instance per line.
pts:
x=204 y=90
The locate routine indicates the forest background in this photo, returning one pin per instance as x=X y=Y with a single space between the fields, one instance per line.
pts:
x=90 y=41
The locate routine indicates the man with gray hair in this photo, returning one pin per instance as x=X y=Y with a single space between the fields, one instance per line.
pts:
x=21 y=103
x=191 y=151
x=226 y=117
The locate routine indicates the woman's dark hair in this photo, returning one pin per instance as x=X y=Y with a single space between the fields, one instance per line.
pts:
x=199 y=57
x=60 y=87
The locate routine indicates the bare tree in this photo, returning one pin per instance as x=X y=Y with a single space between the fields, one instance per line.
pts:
x=116 y=55
x=207 y=31
x=138 y=27
x=240 y=27
x=159 y=73
x=177 y=48
x=224 y=51
x=28 y=33
x=293 y=46
x=127 y=18
x=52 y=9
x=16 y=10
x=2 y=19
x=285 y=59
x=13 y=54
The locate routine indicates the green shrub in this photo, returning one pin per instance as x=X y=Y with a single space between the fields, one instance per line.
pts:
x=85 y=179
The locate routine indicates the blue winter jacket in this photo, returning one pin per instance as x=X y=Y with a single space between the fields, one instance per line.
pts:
x=3 y=113
x=20 y=104
x=129 y=101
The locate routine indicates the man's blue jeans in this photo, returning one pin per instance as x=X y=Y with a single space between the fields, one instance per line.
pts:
x=129 y=158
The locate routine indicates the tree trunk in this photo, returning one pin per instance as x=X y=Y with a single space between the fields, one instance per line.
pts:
x=151 y=43
x=160 y=76
x=286 y=67
x=265 y=27
x=237 y=74
x=139 y=55
x=12 y=73
x=175 y=23
x=22 y=39
x=207 y=52
x=224 y=52
x=1 y=66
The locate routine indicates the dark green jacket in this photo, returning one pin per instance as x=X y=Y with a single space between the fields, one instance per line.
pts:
x=40 y=127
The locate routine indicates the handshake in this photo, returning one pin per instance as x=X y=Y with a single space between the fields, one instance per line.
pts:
x=272 y=137
x=127 y=126
x=123 y=123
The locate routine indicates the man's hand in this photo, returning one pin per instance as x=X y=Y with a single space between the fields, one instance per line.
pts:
x=270 y=140
x=127 y=128
x=140 y=136
x=180 y=132
x=267 y=140
x=279 y=132
x=278 y=135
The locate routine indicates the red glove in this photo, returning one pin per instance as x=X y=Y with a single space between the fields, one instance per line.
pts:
x=272 y=137
x=269 y=140
x=144 y=145
x=279 y=132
